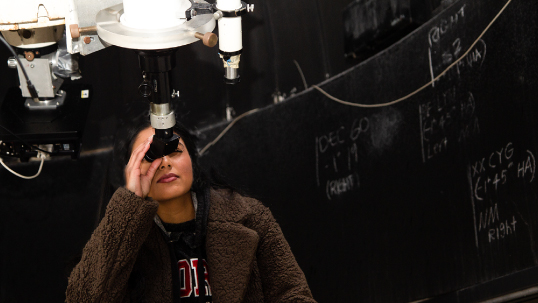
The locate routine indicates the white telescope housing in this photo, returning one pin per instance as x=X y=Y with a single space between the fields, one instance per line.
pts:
x=228 y=5
x=158 y=14
x=231 y=36
x=230 y=33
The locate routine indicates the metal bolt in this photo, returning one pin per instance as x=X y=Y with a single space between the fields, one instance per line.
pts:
x=193 y=13
x=32 y=66
x=229 y=113
x=12 y=63
x=29 y=56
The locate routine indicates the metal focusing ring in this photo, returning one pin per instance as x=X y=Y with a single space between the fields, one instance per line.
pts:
x=163 y=122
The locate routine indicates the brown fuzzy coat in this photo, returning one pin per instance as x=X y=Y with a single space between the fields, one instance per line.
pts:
x=249 y=259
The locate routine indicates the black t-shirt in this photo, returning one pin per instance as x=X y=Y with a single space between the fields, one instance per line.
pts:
x=183 y=236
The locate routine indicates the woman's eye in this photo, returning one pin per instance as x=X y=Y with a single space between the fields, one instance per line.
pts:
x=175 y=153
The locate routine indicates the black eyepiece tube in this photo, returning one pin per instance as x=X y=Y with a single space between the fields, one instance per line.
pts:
x=164 y=133
x=155 y=65
x=160 y=148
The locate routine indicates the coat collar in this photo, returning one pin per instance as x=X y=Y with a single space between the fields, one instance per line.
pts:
x=228 y=206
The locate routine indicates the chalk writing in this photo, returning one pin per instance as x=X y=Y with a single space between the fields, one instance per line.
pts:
x=342 y=185
x=445 y=47
x=444 y=26
x=502 y=229
x=337 y=157
x=331 y=139
x=495 y=170
x=359 y=126
x=491 y=226
x=488 y=217
x=440 y=59
x=488 y=176
x=449 y=117
x=527 y=167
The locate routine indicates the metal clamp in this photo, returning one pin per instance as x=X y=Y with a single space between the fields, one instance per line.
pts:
x=244 y=9
x=206 y=8
x=199 y=9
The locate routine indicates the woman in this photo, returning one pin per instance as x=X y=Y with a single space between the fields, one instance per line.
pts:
x=166 y=219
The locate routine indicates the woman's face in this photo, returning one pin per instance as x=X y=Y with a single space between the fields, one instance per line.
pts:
x=174 y=176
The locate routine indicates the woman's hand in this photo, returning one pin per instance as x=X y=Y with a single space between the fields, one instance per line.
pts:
x=135 y=180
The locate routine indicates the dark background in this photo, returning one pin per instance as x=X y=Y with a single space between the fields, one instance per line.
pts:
x=404 y=226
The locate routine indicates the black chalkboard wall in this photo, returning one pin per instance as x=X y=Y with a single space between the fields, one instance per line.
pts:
x=431 y=197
